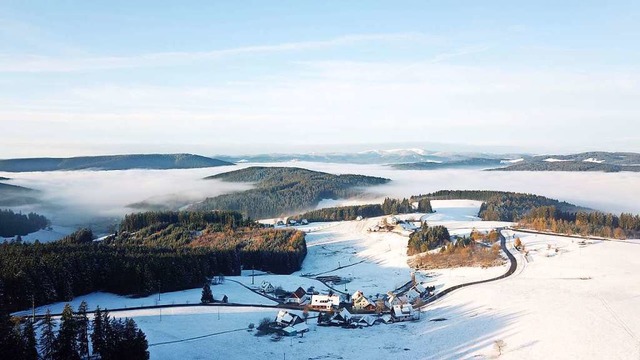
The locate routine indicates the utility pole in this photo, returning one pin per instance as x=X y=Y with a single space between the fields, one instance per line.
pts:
x=253 y=274
x=158 y=290
x=218 y=312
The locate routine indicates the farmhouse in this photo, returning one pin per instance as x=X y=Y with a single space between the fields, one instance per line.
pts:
x=361 y=303
x=267 y=288
x=324 y=302
x=284 y=319
x=341 y=318
x=298 y=297
x=403 y=313
x=416 y=292
x=393 y=300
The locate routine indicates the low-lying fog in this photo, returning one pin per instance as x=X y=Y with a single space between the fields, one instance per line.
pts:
x=75 y=198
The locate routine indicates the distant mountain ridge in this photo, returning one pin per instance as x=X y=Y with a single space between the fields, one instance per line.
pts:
x=588 y=161
x=112 y=162
x=386 y=157
x=473 y=163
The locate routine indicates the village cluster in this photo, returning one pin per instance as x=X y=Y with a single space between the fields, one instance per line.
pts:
x=345 y=310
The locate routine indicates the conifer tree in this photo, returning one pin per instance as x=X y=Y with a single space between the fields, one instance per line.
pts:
x=30 y=345
x=207 y=295
x=47 y=338
x=66 y=346
x=98 y=335
x=82 y=330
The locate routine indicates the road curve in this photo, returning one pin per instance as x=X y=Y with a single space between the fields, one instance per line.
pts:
x=512 y=268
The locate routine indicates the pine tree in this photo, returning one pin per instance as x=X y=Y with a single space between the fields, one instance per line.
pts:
x=66 y=346
x=47 y=338
x=98 y=335
x=30 y=351
x=8 y=339
x=82 y=330
x=207 y=295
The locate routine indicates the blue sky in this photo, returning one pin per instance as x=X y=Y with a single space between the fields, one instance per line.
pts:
x=89 y=77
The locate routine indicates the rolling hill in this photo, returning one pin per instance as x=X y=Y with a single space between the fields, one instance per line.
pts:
x=587 y=161
x=284 y=190
x=112 y=162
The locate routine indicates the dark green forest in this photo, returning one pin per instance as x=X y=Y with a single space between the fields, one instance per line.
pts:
x=344 y=213
x=163 y=254
x=13 y=224
x=541 y=213
x=282 y=190
x=427 y=238
x=502 y=205
x=110 y=338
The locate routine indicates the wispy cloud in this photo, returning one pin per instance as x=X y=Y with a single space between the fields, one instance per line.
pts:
x=36 y=63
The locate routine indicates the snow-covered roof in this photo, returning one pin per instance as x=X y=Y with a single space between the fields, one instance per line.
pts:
x=284 y=317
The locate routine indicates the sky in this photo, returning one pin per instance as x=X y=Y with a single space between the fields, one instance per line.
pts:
x=242 y=77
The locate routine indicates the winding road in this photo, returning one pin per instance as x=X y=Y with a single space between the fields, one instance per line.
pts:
x=512 y=269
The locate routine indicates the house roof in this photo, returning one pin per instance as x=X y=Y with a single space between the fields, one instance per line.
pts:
x=289 y=330
x=356 y=295
x=284 y=317
x=299 y=293
x=302 y=327
x=404 y=309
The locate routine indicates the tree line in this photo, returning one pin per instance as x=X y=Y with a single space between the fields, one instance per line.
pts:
x=18 y=224
x=345 y=213
x=548 y=218
x=502 y=205
x=160 y=257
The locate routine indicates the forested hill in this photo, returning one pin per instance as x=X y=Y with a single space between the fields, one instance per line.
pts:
x=12 y=195
x=285 y=190
x=473 y=163
x=503 y=205
x=176 y=250
x=588 y=161
x=112 y=162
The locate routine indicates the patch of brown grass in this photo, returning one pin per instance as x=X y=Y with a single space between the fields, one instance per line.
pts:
x=473 y=255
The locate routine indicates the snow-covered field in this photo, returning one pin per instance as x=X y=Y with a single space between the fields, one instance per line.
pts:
x=52 y=233
x=567 y=300
x=580 y=303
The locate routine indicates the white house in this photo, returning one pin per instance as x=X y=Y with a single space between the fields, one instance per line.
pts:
x=393 y=300
x=361 y=303
x=324 y=302
x=284 y=319
x=403 y=313
x=267 y=288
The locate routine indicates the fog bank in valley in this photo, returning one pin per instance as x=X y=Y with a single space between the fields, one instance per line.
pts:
x=100 y=198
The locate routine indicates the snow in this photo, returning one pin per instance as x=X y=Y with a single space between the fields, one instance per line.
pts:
x=235 y=292
x=544 y=311
x=554 y=160
x=513 y=161
x=579 y=303
x=593 y=160
x=49 y=234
